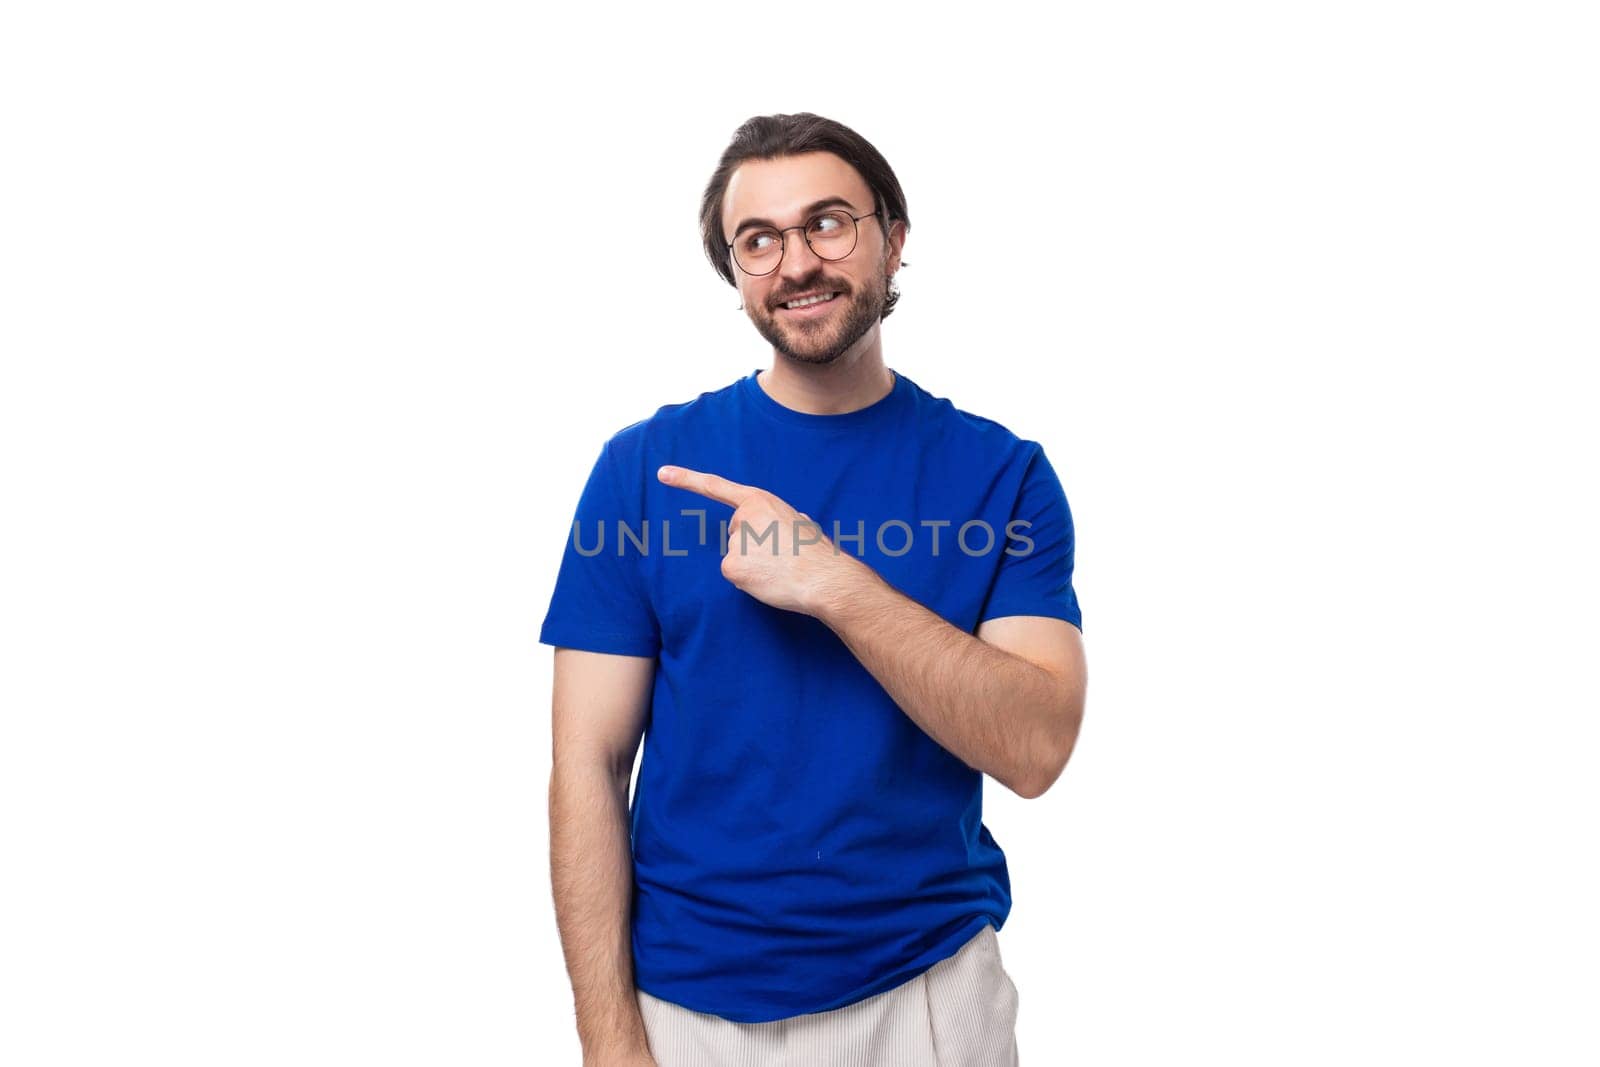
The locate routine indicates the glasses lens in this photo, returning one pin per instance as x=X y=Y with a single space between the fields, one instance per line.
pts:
x=832 y=235
x=758 y=251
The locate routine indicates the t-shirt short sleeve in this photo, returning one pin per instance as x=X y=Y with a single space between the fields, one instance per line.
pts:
x=599 y=603
x=1037 y=580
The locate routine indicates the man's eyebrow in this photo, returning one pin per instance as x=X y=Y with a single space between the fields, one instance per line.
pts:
x=825 y=202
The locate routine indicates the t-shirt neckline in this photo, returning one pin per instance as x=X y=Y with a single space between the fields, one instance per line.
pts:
x=876 y=412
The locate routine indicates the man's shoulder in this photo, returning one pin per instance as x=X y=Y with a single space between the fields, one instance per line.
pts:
x=709 y=407
x=965 y=429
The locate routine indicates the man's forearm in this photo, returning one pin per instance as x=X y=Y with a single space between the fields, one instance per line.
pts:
x=591 y=873
x=999 y=713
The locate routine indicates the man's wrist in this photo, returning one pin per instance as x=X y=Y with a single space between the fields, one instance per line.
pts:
x=841 y=587
x=621 y=1049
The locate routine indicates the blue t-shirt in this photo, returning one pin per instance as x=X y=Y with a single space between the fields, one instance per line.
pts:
x=799 y=843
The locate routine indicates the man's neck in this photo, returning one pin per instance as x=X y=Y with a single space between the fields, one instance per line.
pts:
x=828 y=388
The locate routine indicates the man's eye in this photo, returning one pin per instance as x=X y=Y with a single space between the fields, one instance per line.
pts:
x=758 y=242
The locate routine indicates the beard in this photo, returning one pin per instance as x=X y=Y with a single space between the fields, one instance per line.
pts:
x=821 y=341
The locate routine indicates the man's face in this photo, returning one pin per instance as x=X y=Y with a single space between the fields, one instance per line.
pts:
x=782 y=192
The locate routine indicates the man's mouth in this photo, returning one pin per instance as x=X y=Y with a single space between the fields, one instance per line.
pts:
x=810 y=305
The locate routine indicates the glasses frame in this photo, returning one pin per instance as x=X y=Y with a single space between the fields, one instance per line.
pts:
x=783 y=239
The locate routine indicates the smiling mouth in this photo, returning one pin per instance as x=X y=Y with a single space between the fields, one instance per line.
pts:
x=810 y=306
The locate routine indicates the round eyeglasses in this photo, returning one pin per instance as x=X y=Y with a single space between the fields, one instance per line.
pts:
x=831 y=235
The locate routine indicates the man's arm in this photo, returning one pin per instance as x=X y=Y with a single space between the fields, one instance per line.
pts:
x=599 y=707
x=1008 y=701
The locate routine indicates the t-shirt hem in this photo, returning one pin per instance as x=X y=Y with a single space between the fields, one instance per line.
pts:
x=945 y=950
x=1019 y=607
x=597 y=641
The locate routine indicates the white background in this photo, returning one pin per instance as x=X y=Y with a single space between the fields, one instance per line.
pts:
x=316 y=314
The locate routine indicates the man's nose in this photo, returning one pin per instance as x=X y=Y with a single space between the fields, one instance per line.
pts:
x=799 y=261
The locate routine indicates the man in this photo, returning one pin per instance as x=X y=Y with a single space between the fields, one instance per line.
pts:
x=831 y=602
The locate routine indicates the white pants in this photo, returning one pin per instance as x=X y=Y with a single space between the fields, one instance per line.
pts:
x=961 y=1012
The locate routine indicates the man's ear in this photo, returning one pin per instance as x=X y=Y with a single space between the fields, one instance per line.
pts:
x=897 y=241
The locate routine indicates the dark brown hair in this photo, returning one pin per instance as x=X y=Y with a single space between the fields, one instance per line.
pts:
x=775 y=136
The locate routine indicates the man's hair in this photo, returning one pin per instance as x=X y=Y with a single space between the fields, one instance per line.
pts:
x=775 y=136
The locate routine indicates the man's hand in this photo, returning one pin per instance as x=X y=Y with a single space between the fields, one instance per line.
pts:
x=778 y=555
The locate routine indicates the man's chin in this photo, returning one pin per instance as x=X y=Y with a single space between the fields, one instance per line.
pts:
x=811 y=347
x=805 y=349
x=815 y=358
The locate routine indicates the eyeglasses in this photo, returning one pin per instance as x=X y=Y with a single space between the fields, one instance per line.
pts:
x=830 y=234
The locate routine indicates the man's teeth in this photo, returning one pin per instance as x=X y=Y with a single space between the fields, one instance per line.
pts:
x=810 y=300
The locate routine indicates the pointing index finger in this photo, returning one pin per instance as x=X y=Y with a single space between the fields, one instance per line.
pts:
x=710 y=485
